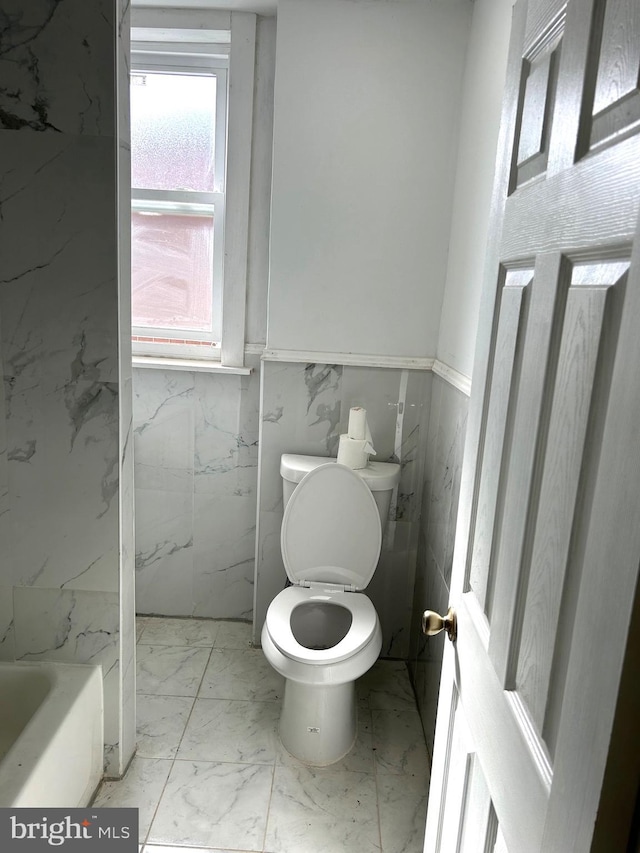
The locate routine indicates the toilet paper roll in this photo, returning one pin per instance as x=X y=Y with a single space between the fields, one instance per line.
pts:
x=352 y=452
x=358 y=423
x=358 y=428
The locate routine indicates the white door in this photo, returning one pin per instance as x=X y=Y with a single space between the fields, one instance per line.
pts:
x=530 y=732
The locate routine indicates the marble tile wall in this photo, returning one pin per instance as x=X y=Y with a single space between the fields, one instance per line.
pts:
x=196 y=468
x=63 y=573
x=305 y=407
x=6 y=586
x=443 y=466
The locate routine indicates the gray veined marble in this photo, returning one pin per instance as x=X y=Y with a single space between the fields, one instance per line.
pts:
x=399 y=742
x=226 y=435
x=23 y=454
x=323 y=810
x=274 y=416
x=178 y=632
x=170 y=670
x=233 y=635
x=143 y=785
x=42 y=93
x=231 y=730
x=386 y=687
x=242 y=674
x=65 y=455
x=86 y=395
x=224 y=530
x=402 y=806
x=208 y=804
x=60 y=366
x=164 y=552
x=72 y=625
x=319 y=378
x=164 y=430
x=7 y=645
x=196 y=440
x=161 y=721
x=443 y=468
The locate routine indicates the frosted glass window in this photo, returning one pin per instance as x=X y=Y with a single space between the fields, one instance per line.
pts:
x=179 y=97
x=172 y=269
x=172 y=131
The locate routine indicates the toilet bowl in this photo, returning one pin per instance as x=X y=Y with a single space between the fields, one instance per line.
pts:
x=322 y=633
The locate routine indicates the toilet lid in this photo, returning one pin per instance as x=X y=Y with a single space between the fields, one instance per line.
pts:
x=331 y=530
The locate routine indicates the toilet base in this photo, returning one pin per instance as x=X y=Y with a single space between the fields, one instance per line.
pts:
x=318 y=723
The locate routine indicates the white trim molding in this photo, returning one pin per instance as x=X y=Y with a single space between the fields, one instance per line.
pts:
x=194 y=21
x=452 y=377
x=349 y=359
x=236 y=227
x=196 y=365
x=449 y=374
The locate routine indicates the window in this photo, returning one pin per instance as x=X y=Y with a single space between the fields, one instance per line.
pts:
x=178 y=138
x=191 y=161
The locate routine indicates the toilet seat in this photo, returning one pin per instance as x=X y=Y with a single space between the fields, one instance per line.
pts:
x=331 y=531
x=364 y=621
x=330 y=538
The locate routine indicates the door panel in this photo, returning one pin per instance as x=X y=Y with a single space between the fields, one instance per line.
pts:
x=506 y=357
x=469 y=814
x=479 y=822
x=540 y=78
x=616 y=99
x=535 y=633
x=542 y=339
x=548 y=535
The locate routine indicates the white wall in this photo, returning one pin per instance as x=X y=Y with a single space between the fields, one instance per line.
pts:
x=366 y=107
x=480 y=122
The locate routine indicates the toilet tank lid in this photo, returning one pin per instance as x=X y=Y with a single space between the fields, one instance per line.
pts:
x=378 y=475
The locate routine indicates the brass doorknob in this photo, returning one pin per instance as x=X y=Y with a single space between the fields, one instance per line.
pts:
x=433 y=623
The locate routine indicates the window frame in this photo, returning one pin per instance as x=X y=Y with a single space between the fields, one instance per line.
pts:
x=211 y=33
x=188 y=60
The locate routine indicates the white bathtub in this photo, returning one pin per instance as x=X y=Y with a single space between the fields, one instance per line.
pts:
x=51 y=734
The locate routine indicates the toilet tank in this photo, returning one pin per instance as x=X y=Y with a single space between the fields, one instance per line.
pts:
x=381 y=477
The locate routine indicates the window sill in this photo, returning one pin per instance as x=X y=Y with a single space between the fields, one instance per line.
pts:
x=188 y=364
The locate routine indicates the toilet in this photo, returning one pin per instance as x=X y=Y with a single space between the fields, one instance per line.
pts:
x=322 y=632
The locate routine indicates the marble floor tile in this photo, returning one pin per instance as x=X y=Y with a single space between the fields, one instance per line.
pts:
x=241 y=674
x=232 y=730
x=402 y=805
x=386 y=687
x=159 y=631
x=141 y=788
x=211 y=766
x=233 y=635
x=141 y=621
x=321 y=810
x=398 y=741
x=162 y=848
x=206 y=804
x=161 y=722
x=170 y=670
